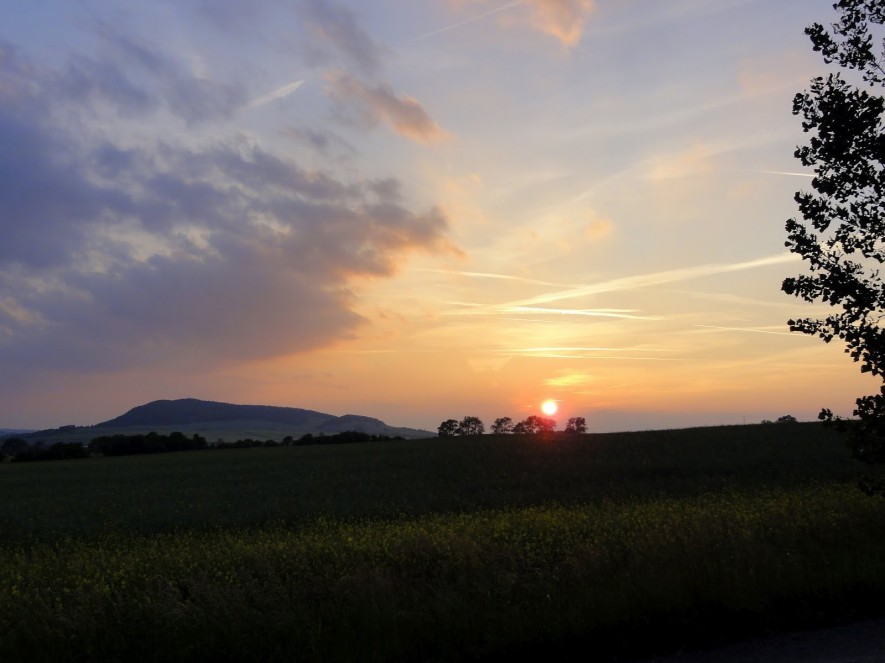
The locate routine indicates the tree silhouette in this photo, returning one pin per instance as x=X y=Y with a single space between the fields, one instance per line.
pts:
x=502 y=425
x=535 y=424
x=448 y=428
x=471 y=426
x=576 y=425
x=520 y=428
x=842 y=234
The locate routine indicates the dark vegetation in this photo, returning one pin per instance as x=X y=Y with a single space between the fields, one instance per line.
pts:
x=153 y=443
x=57 y=451
x=531 y=425
x=841 y=232
x=611 y=545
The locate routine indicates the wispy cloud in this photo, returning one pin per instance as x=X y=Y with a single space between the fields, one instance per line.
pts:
x=467 y=21
x=279 y=93
x=626 y=314
x=404 y=114
x=489 y=275
x=584 y=349
x=331 y=29
x=562 y=19
x=593 y=353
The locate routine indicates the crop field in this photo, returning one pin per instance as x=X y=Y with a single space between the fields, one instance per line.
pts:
x=600 y=547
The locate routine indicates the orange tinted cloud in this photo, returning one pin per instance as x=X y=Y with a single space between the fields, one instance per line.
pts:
x=563 y=19
x=404 y=114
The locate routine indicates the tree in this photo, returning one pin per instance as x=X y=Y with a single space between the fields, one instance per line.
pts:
x=448 y=428
x=502 y=425
x=13 y=446
x=842 y=234
x=520 y=429
x=576 y=425
x=471 y=426
x=534 y=424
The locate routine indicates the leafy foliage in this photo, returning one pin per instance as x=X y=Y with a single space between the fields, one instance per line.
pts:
x=467 y=426
x=471 y=426
x=534 y=424
x=127 y=445
x=576 y=425
x=448 y=428
x=502 y=426
x=57 y=451
x=842 y=234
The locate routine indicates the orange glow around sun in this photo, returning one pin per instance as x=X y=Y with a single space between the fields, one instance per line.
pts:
x=549 y=407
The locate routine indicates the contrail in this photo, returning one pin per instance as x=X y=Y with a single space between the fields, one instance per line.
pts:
x=626 y=283
x=593 y=313
x=748 y=329
x=466 y=21
x=279 y=93
x=489 y=275
x=656 y=278
x=784 y=172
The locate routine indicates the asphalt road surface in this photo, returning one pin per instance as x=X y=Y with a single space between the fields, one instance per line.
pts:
x=860 y=642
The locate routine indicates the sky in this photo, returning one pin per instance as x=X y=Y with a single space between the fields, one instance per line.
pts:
x=409 y=210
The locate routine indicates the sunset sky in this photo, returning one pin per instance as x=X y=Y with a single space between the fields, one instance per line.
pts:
x=407 y=210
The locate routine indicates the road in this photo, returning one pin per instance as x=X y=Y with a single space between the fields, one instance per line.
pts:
x=859 y=642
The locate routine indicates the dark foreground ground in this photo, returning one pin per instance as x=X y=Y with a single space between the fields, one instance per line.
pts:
x=858 y=642
x=606 y=548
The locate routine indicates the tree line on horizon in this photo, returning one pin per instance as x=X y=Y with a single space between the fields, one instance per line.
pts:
x=531 y=425
x=18 y=449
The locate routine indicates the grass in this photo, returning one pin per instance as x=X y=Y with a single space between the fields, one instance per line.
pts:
x=437 y=550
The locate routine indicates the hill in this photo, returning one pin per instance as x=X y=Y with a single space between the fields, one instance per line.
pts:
x=8 y=432
x=225 y=421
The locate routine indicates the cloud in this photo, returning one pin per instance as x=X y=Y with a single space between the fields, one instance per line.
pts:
x=488 y=275
x=323 y=141
x=563 y=19
x=599 y=229
x=333 y=28
x=279 y=93
x=122 y=252
x=467 y=21
x=374 y=105
x=134 y=79
x=626 y=314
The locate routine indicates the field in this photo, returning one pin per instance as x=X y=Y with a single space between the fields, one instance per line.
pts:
x=604 y=547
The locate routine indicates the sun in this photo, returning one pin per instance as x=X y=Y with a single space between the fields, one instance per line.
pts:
x=549 y=407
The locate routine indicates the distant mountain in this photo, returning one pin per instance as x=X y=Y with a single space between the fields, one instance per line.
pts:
x=7 y=432
x=192 y=413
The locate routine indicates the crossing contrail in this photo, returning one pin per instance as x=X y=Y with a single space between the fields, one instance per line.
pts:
x=467 y=21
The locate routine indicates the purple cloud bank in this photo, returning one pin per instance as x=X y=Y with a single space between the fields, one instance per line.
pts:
x=118 y=252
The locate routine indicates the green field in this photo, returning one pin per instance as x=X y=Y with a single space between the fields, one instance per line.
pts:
x=607 y=546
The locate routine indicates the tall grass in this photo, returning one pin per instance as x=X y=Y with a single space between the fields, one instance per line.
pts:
x=245 y=487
